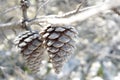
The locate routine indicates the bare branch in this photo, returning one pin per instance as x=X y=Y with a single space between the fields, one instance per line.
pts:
x=24 y=6
x=71 y=12
x=85 y=14
x=8 y=10
x=80 y=16
x=11 y=25
x=40 y=8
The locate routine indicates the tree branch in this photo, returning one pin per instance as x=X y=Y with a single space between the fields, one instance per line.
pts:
x=9 y=10
x=24 y=6
x=80 y=16
x=11 y=25
x=41 y=7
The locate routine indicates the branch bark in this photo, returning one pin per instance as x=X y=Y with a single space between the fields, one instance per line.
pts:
x=80 y=16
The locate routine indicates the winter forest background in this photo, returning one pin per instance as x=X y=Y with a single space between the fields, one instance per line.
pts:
x=97 y=56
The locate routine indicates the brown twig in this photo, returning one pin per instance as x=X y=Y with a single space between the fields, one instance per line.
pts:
x=24 y=6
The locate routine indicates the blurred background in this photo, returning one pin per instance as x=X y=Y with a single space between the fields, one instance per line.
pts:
x=97 y=56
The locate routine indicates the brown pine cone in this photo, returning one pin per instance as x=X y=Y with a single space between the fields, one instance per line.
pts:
x=30 y=44
x=59 y=41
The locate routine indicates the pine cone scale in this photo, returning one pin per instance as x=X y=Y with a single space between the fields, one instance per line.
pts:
x=50 y=42
x=30 y=43
x=54 y=35
x=52 y=49
x=64 y=39
x=59 y=44
x=59 y=29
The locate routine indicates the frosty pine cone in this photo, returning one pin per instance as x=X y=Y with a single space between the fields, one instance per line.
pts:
x=30 y=44
x=59 y=41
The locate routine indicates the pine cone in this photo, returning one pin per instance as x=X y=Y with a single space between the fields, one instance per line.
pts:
x=30 y=45
x=60 y=44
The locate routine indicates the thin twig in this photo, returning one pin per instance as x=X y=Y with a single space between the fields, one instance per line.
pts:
x=9 y=10
x=73 y=18
x=40 y=8
x=71 y=12
x=11 y=25
x=24 y=6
